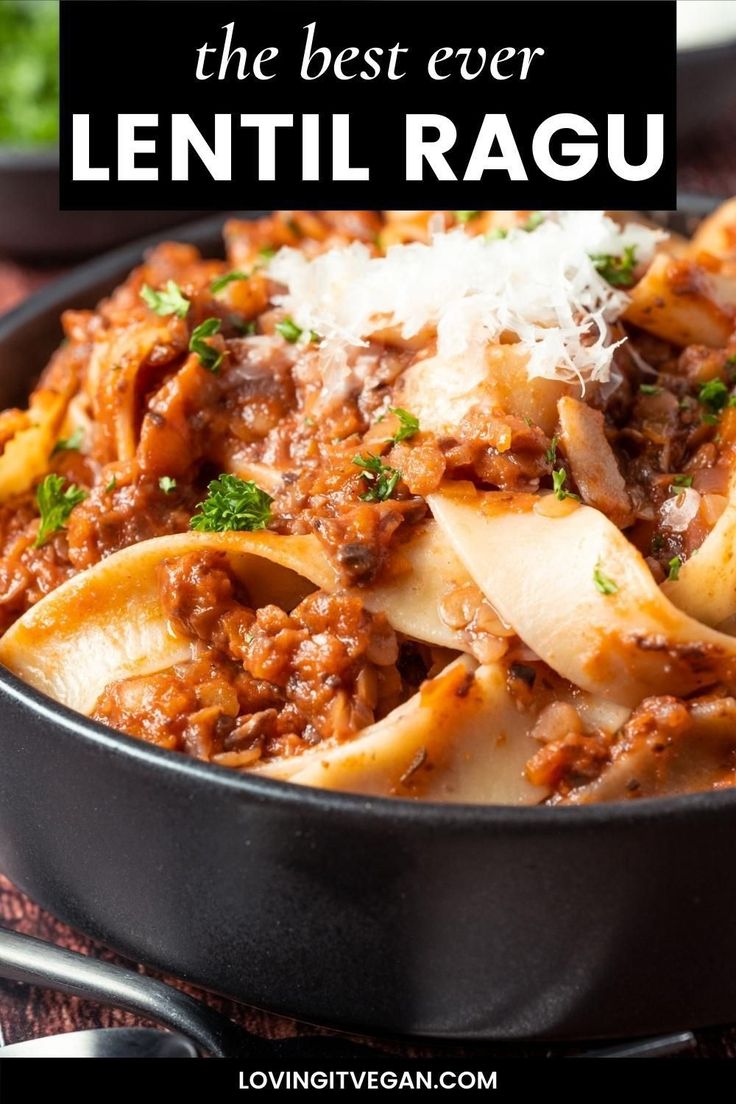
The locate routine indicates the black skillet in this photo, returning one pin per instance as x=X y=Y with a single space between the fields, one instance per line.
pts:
x=373 y=914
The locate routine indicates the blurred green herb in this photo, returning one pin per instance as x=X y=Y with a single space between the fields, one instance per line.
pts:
x=29 y=72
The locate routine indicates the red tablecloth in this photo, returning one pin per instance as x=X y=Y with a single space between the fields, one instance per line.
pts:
x=24 y=1012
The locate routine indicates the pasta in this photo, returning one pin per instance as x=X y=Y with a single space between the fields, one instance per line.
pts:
x=433 y=505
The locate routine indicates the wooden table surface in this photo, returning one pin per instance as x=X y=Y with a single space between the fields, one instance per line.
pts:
x=708 y=166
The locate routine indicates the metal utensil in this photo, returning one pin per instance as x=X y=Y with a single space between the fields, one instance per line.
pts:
x=33 y=962
x=105 y=1042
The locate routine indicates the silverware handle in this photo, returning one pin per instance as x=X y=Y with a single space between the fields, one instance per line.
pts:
x=33 y=962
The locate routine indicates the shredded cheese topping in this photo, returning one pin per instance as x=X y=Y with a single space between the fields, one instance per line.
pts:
x=540 y=288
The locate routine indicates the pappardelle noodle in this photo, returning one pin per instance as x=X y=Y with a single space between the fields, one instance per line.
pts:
x=425 y=504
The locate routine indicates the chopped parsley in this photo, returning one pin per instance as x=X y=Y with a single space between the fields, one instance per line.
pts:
x=55 y=505
x=465 y=216
x=674 y=565
x=380 y=476
x=408 y=424
x=618 y=271
x=680 y=481
x=536 y=218
x=73 y=443
x=245 y=328
x=167 y=484
x=497 y=234
x=267 y=253
x=232 y=504
x=551 y=454
x=209 y=358
x=713 y=395
x=289 y=330
x=650 y=389
x=168 y=301
x=228 y=278
x=111 y=485
x=603 y=584
x=559 y=478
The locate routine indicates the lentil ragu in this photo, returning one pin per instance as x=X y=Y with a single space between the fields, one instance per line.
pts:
x=335 y=380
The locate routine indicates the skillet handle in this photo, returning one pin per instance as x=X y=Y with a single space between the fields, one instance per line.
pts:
x=29 y=960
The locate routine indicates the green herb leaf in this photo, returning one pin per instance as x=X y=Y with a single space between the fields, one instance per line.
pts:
x=289 y=330
x=674 y=565
x=111 y=485
x=209 y=358
x=618 y=271
x=497 y=234
x=657 y=542
x=232 y=504
x=713 y=395
x=465 y=216
x=381 y=477
x=168 y=301
x=267 y=253
x=228 y=278
x=70 y=444
x=55 y=505
x=559 y=478
x=680 y=481
x=408 y=424
x=650 y=389
x=167 y=484
x=551 y=454
x=535 y=219
x=603 y=584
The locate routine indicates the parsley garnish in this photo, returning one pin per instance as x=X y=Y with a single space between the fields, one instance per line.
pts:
x=267 y=253
x=232 y=503
x=535 y=219
x=558 y=485
x=465 y=216
x=497 y=234
x=713 y=395
x=167 y=484
x=650 y=389
x=674 y=565
x=603 y=584
x=111 y=485
x=618 y=271
x=289 y=330
x=70 y=444
x=209 y=358
x=229 y=277
x=381 y=477
x=168 y=301
x=680 y=481
x=551 y=454
x=408 y=424
x=55 y=505
x=246 y=328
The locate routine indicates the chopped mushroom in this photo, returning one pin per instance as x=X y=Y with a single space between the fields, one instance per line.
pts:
x=592 y=462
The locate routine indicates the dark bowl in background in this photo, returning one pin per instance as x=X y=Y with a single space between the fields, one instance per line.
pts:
x=32 y=228
x=706 y=88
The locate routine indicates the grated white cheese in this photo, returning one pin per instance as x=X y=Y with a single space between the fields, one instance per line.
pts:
x=541 y=286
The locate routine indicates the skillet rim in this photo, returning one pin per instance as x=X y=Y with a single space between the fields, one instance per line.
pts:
x=519 y=819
